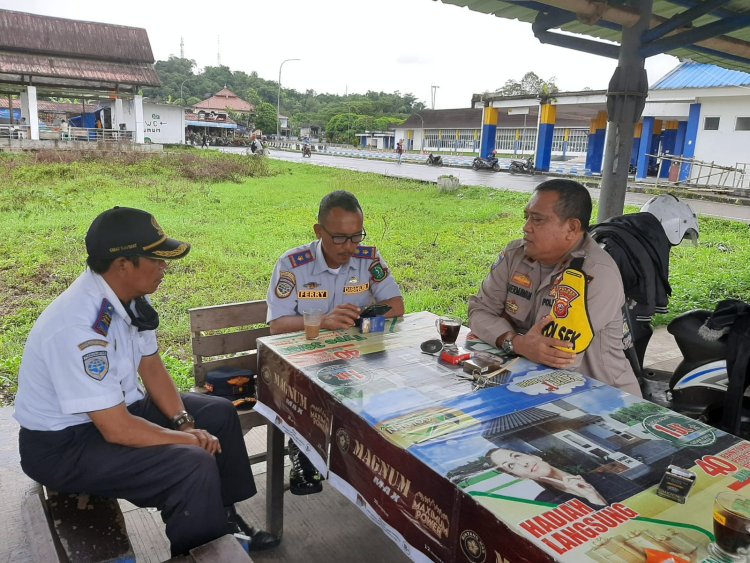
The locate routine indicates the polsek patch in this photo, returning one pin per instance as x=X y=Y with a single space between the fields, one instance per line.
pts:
x=96 y=364
x=286 y=284
x=104 y=318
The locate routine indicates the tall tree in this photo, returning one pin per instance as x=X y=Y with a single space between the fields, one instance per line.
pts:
x=265 y=118
x=530 y=85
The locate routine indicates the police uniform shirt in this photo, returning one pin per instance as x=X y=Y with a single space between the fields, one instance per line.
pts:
x=302 y=281
x=82 y=355
x=519 y=291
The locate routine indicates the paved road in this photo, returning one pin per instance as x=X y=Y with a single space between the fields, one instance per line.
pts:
x=499 y=180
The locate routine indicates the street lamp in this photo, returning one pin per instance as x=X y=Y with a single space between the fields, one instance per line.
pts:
x=278 y=97
x=182 y=101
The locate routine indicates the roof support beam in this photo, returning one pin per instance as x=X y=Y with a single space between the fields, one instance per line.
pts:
x=696 y=35
x=593 y=11
x=579 y=44
x=680 y=20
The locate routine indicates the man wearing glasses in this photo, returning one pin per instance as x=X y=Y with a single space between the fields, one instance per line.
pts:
x=334 y=274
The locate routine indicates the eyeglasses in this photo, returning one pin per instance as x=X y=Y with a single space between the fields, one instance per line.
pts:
x=341 y=239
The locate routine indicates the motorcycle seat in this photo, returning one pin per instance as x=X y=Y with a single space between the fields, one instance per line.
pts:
x=694 y=348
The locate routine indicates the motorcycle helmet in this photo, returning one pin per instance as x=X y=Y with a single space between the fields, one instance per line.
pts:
x=676 y=217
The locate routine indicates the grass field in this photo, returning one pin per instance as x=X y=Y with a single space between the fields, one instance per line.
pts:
x=241 y=213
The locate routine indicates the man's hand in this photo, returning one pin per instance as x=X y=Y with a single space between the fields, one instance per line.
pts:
x=541 y=349
x=341 y=317
x=206 y=441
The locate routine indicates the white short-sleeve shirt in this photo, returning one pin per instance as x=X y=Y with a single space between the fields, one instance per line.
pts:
x=302 y=281
x=82 y=355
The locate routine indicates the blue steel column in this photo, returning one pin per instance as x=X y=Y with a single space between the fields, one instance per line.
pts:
x=637 y=130
x=489 y=130
x=595 y=147
x=647 y=132
x=691 y=136
x=545 y=132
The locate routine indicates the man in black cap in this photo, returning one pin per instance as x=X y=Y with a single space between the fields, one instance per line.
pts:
x=88 y=425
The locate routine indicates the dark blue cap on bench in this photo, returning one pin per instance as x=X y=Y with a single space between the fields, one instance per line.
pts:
x=124 y=231
x=231 y=383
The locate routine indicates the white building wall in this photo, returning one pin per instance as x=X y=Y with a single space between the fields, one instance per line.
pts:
x=724 y=146
x=164 y=123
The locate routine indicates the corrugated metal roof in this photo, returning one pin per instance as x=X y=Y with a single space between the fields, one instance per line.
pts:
x=32 y=33
x=731 y=50
x=444 y=118
x=696 y=75
x=61 y=68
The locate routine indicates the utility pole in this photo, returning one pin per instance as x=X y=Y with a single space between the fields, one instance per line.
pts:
x=182 y=47
x=434 y=88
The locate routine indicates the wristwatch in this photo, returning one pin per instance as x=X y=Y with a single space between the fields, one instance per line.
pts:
x=507 y=345
x=182 y=417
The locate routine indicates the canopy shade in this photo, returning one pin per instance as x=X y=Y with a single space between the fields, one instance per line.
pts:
x=706 y=31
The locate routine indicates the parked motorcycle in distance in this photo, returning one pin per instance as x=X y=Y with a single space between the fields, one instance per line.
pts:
x=489 y=162
x=525 y=166
x=434 y=160
x=306 y=151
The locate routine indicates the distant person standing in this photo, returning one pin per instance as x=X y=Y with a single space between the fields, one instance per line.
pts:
x=400 y=150
x=64 y=129
x=204 y=142
x=99 y=127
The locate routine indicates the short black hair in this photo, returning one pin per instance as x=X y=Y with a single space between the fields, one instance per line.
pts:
x=340 y=198
x=574 y=202
x=101 y=265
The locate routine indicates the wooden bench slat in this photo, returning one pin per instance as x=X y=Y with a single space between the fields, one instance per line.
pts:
x=228 y=316
x=41 y=541
x=225 y=549
x=229 y=343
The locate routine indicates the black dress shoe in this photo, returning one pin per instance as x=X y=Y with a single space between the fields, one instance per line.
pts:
x=261 y=540
x=304 y=479
x=255 y=540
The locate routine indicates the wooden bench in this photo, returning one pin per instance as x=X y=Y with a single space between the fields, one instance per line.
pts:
x=225 y=336
x=65 y=527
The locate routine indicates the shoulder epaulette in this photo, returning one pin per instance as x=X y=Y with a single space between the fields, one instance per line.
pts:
x=366 y=252
x=301 y=258
x=104 y=318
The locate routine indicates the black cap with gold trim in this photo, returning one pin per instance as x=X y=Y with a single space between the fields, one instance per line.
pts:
x=123 y=231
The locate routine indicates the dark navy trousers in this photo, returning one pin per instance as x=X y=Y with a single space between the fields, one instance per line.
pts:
x=190 y=486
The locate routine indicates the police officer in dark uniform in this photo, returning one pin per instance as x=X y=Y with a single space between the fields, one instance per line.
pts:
x=89 y=426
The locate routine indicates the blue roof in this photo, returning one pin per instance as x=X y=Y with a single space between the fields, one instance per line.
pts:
x=697 y=75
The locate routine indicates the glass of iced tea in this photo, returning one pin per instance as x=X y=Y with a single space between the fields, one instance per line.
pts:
x=448 y=327
x=731 y=527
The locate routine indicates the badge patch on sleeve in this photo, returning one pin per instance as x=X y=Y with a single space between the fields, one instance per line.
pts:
x=285 y=285
x=499 y=260
x=104 y=318
x=96 y=364
x=377 y=272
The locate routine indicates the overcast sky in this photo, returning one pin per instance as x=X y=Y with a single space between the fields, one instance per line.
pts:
x=351 y=45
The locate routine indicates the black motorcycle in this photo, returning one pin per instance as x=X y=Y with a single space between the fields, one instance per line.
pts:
x=489 y=162
x=306 y=151
x=525 y=166
x=433 y=160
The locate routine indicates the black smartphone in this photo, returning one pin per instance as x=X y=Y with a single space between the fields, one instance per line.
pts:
x=374 y=311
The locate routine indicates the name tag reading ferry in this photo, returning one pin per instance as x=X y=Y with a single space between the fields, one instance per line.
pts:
x=312 y=294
